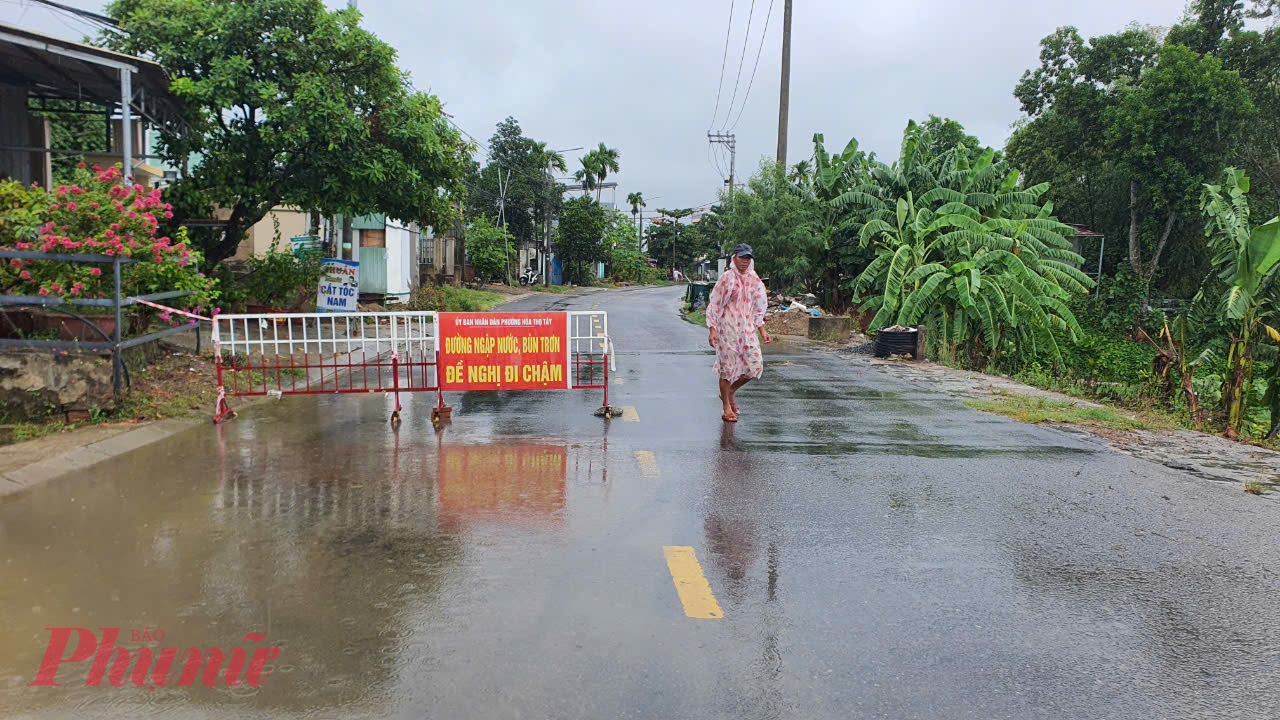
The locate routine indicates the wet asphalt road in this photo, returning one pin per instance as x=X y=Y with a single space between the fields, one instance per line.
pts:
x=876 y=551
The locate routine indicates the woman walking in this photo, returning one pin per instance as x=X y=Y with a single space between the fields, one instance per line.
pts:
x=736 y=310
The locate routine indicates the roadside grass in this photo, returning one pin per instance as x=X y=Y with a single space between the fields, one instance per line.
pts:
x=554 y=289
x=1036 y=410
x=458 y=299
x=697 y=317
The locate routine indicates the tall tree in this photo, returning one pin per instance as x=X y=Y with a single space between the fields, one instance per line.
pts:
x=1129 y=123
x=516 y=179
x=586 y=175
x=289 y=103
x=1172 y=133
x=636 y=201
x=580 y=238
x=606 y=162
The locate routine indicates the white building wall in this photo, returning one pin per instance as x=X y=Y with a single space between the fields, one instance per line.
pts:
x=399 y=258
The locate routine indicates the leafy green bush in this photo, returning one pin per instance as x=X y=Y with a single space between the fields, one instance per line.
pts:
x=280 y=279
x=427 y=298
x=1117 y=307
x=488 y=249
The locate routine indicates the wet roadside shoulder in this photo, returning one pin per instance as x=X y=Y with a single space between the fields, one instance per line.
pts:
x=1200 y=454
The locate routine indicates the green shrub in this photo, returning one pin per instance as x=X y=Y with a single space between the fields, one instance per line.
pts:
x=489 y=249
x=280 y=279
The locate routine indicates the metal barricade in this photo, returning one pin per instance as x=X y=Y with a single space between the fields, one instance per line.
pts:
x=590 y=347
x=312 y=353
x=390 y=352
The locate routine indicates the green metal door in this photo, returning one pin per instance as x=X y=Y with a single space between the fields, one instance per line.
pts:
x=373 y=271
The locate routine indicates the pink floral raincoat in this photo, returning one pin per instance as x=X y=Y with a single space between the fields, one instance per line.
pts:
x=736 y=310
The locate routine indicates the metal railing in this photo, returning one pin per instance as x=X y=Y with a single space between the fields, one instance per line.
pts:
x=114 y=344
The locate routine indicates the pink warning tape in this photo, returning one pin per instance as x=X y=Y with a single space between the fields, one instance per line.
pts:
x=172 y=310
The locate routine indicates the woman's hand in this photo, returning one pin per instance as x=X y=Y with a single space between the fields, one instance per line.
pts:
x=764 y=334
x=712 y=339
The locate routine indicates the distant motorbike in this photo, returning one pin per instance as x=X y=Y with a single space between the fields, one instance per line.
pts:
x=529 y=277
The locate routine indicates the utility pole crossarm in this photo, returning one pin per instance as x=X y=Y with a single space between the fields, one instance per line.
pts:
x=731 y=140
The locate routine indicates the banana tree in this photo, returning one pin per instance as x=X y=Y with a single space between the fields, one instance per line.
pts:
x=1246 y=258
x=957 y=270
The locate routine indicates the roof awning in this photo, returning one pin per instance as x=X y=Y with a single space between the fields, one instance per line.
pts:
x=49 y=67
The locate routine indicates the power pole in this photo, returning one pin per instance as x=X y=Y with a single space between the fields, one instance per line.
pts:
x=784 y=94
x=347 y=251
x=731 y=140
x=503 y=185
x=543 y=265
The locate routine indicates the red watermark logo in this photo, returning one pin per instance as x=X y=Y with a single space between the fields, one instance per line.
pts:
x=162 y=674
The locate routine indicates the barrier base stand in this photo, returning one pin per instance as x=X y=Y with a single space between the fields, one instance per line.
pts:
x=443 y=412
x=608 y=412
x=222 y=412
x=395 y=418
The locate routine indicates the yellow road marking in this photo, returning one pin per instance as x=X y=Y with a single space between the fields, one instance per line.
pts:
x=629 y=414
x=615 y=380
x=648 y=463
x=691 y=585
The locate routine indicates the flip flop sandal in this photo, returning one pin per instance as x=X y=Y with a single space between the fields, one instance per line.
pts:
x=726 y=418
x=734 y=407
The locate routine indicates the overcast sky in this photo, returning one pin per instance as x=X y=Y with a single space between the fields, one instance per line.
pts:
x=643 y=76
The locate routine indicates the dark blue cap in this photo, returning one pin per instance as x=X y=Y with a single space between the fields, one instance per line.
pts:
x=743 y=250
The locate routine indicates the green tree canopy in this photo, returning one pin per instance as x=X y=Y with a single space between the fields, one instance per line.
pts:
x=1131 y=125
x=531 y=193
x=289 y=103
x=580 y=238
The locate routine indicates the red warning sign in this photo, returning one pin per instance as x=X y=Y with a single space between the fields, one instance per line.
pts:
x=503 y=351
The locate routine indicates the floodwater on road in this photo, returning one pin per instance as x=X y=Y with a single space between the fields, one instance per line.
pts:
x=852 y=548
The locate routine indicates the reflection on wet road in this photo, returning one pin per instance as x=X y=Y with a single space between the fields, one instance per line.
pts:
x=852 y=548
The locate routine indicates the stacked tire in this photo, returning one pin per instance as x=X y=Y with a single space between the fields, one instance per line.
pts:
x=895 y=341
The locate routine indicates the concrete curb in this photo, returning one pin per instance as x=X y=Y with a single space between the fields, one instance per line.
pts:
x=91 y=454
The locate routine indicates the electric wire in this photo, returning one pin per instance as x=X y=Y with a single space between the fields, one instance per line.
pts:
x=741 y=60
x=723 y=59
x=763 y=34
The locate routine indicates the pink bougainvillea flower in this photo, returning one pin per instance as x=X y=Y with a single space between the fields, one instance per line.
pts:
x=44 y=291
x=75 y=291
x=71 y=206
x=24 y=275
x=168 y=215
x=95 y=271
x=81 y=165
x=16 y=263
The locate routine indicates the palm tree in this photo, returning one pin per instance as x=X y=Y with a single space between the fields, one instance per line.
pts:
x=550 y=159
x=636 y=201
x=606 y=159
x=587 y=175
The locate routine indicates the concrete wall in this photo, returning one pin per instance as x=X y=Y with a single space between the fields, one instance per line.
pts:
x=293 y=222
